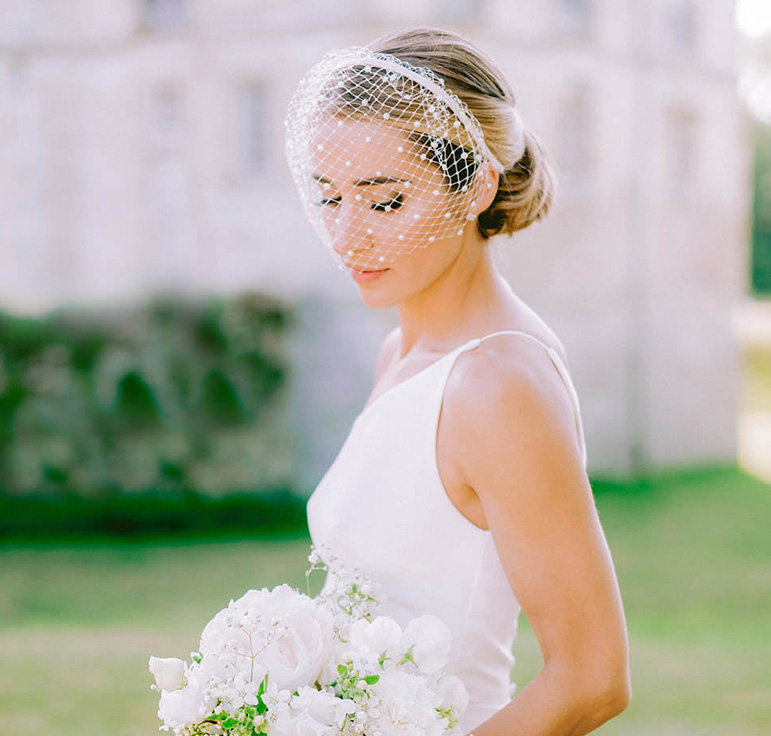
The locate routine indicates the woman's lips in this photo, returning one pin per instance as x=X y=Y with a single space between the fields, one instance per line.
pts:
x=367 y=277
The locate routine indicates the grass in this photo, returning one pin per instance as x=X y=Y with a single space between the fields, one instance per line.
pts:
x=693 y=555
x=756 y=393
x=79 y=621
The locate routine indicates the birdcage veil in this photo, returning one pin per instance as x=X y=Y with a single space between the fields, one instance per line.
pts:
x=385 y=158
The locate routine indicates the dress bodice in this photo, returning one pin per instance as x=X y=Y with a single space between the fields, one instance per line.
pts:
x=382 y=507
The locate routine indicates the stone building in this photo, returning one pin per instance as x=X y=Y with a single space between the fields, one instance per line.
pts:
x=142 y=151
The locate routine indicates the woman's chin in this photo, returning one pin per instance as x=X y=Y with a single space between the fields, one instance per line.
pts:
x=377 y=299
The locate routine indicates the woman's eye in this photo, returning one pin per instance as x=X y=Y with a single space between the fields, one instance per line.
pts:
x=327 y=201
x=389 y=205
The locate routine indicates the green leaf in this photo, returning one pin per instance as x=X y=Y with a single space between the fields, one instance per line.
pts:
x=263 y=687
x=371 y=679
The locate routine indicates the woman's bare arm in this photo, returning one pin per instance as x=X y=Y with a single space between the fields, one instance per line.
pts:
x=509 y=422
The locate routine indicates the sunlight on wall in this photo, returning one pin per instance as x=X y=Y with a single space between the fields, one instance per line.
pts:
x=753 y=17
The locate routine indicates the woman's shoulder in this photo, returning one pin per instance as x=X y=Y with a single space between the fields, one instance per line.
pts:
x=506 y=411
x=509 y=376
x=506 y=366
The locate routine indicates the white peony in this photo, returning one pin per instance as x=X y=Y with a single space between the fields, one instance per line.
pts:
x=279 y=631
x=169 y=673
x=430 y=640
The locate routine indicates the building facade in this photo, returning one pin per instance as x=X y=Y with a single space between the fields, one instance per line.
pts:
x=143 y=151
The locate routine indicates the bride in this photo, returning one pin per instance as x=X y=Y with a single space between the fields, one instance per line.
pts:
x=461 y=488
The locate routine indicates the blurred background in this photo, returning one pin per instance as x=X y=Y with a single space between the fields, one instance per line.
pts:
x=180 y=359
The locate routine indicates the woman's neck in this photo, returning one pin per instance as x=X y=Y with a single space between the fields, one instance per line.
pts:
x=461 y=303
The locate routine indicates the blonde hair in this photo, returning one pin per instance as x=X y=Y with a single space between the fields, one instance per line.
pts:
x=526 y=186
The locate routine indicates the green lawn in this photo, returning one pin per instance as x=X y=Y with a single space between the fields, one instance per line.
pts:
x=693 y=553
x=756 y=388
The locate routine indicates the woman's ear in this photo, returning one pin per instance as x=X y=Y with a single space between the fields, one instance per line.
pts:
x=489 y=188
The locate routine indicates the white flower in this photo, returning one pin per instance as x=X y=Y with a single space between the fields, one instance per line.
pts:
x=314 y=713
x=452 y=694
x=407 y=706
x=338 y=652
x=349 y=594
x=430 y=640
x=169 y=672
x=187 y=705
x=181 y=707
x=381 y=636
x=322 y=705
x=294 y=644
x=280 y=632
x=311 y=713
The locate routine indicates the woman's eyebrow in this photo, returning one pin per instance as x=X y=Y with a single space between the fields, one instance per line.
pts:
x=366 y=182
x=379 y=180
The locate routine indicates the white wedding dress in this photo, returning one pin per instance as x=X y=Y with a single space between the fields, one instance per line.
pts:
x=381 y=507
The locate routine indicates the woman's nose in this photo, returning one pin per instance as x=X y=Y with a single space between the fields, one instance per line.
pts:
x=349 y=231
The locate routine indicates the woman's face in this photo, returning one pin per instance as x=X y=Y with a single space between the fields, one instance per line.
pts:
x=387 y=213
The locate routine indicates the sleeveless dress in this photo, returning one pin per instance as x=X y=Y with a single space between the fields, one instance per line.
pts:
x=382 y=507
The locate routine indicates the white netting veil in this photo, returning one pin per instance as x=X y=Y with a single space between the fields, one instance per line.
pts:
x=386 y=160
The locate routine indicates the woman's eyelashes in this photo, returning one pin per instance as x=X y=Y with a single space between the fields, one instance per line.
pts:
x=391 y=204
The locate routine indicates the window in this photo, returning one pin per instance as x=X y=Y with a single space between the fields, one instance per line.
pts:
x=254 y=134
x=576 y=134
x=165 y=121
x=171 y=257
x=575 y=17
x=682 y=153
x=165 y=15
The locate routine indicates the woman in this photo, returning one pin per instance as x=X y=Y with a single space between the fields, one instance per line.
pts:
x=461 y=489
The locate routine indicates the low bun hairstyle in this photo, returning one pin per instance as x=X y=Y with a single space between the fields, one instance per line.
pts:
x=527 y=185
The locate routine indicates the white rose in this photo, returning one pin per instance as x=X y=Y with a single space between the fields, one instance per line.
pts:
x=278 y=631
x=169 y=673
x=430 y=640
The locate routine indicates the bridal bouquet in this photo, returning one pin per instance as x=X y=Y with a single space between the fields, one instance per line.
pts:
x=280 y=663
